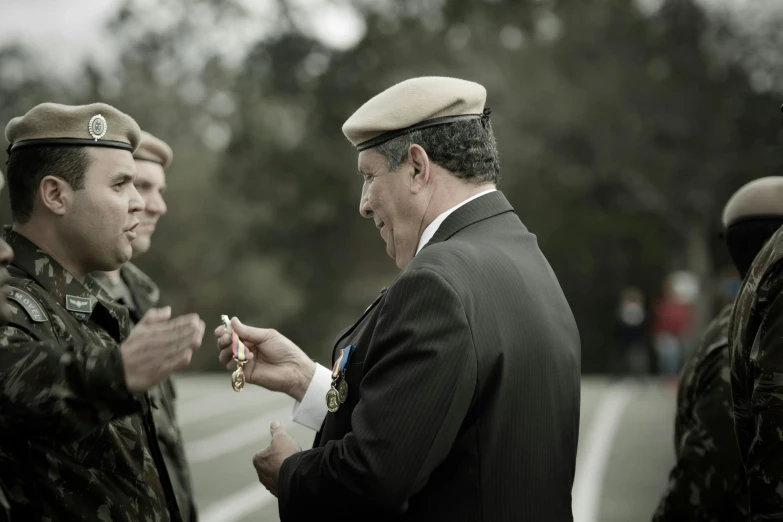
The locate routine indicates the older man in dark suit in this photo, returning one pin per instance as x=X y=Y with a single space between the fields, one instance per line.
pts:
x=455 y=396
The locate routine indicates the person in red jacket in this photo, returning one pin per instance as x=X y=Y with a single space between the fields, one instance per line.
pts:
x=670 y=327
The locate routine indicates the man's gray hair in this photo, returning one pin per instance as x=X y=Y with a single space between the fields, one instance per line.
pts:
x=466 y=148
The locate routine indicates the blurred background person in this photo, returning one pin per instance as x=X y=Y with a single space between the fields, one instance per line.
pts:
x=671 y=327
x=632 y=355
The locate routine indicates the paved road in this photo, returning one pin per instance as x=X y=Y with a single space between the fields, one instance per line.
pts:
x=625 y=447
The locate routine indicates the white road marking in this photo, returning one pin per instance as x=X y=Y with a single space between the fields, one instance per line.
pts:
x=596 y=449
x=205 y=408
x=235 y=436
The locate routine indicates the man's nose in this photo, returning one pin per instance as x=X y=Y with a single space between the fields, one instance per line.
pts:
x=156 y=205
x=137 y=203
x=364 y=205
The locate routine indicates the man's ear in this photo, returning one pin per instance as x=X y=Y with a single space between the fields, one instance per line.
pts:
x=56 y=195
x=421 y=176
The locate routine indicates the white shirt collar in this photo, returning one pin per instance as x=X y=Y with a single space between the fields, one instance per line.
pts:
x=429 y=232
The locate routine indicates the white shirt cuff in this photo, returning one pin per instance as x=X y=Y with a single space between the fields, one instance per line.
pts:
x=311 y=412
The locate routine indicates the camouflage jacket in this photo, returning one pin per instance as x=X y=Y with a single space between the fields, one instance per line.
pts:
x=707 y=484
x=5 y=506
x=756 y=348
x=76 y=444
x=144 y=294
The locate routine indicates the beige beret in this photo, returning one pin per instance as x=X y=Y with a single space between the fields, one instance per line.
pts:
x=154 y=150
x=411 y=105
x=53 y=124
x=761 y=197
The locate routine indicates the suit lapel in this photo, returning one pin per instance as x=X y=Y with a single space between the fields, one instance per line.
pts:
x=351 y=328
x=479 y=209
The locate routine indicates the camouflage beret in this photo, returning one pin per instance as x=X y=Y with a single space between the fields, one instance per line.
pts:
x=414 y=104
x=761 y=197
x=154 y=150
x=53 y=124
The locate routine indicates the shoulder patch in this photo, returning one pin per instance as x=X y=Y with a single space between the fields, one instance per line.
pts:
x=29 y=304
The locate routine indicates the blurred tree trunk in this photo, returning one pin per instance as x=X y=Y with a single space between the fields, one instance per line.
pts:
x=699 y=262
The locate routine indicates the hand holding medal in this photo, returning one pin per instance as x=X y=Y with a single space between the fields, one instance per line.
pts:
x=263 y=357
x=239 y=350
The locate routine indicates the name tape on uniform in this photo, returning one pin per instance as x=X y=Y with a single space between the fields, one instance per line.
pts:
x=29 y=305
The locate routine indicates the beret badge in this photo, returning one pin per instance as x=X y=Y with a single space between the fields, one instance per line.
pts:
x=97 y=127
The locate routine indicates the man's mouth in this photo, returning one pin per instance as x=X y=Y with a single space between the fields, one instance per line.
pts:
x=131 y=230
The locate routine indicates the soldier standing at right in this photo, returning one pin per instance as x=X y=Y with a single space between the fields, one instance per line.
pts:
x=78 y=438
x=756 y=350
x=707 y=483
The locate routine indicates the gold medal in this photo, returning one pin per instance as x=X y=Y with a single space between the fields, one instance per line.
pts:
x=342 y=389
x=238 y=378
x=240 y=356
x=332 y=399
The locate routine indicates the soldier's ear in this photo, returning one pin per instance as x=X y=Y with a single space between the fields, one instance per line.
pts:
x=422 y=168
x=55 y=195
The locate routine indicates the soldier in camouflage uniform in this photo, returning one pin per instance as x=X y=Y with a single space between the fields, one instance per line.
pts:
x=78 y=439
x=6 y=256
x=133 y=289
x=708 y=481
x=756 y=356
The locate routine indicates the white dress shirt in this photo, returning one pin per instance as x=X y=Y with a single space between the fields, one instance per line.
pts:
x=311 y=412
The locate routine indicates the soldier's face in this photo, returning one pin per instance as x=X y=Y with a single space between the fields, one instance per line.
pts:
x=6 y=256
x=388 y=199
x=150 y=183
x=101 y=222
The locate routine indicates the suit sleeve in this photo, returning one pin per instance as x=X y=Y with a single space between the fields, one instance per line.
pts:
x=764 y=464
x=708 y=469
x=419 y=380
x=63 y=390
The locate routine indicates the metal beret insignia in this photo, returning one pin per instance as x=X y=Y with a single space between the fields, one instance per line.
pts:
x=97 y=127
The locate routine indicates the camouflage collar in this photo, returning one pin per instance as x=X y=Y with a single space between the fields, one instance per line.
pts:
x=135 y=286
x=143 y=289
x=79 y=299
x=116 y=291
x=134 y=275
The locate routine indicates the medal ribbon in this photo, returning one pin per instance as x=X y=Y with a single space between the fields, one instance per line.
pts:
x=337 y=363
x=239 y=348
x=342 y=361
